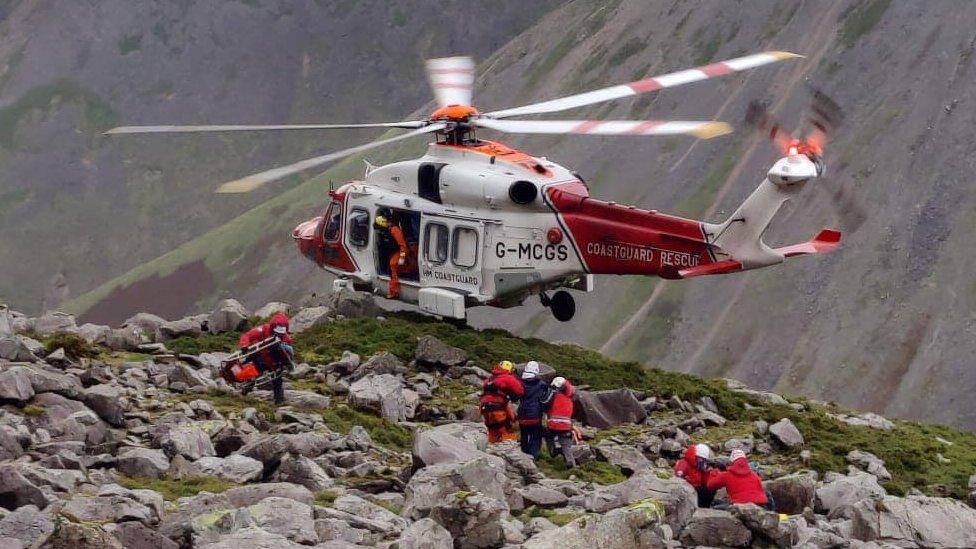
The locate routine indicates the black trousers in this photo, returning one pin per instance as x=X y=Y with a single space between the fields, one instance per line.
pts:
x=565 y=439
x=530 y=438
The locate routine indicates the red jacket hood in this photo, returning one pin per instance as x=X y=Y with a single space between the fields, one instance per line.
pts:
x=740 y=467
x=498 y=371
x=279 y=319
x=568 y=389
x=691 y=455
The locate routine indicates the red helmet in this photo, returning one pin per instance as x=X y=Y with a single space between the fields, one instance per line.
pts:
x=279 y=320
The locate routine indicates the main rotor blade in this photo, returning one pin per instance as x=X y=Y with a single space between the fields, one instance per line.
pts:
x=251 y=182
x=701 y=130
x=648 y=84
x=244 y=128
x=452 y=79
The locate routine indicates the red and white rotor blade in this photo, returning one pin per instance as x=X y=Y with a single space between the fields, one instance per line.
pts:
x=249 y=128
x=251 y=182
x=648 y=84
x=452 y=79
x=701 y=130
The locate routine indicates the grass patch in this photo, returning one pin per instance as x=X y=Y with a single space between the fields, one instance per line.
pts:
x=32 y=410
x=861 y=20
x=599 y=472
x=342 y=418
x=175 y=489
x=326 y=498
x=559 y=519
x=228 y=403
x=74 y=345
x=206 y=343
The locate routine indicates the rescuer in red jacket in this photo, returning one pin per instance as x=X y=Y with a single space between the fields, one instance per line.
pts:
x=740 y=481
x=497 y=391
x=273 y=357
x=399 y=256
x=559 y=421
x=694 y=468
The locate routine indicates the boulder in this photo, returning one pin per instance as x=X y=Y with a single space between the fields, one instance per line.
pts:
x=93 y=333
x=308 y=318
x=10 y=448
x=870 y=463
x=379 y=393
x=628 y=458
x=17 y=491
x=426 y=534
x=792 y=493
x=106 y=401
x=519 y=466
x=46 y=381
x=149 y=324
x=461 y=441
x=130 y=338
x=602 y=409
x=15 y=386
x=632 y=527
x=677 y=497
x=715 y=528
x=835 y=497
x=380 y=363
x=244 y=496
x=135 y=535
x=272 y=308
x=301 y=470
x=766 y=527
x=211 y=527
x=286 y=517
x=347 y=364
x=437 y=484
x=228 y=316
x=542 y=496
x=176 y=525
x=474 y=520
x=192 y=378
x=235 y=468
x=786 y=434
x=16 y=348
x=185 y=327
x=867 y=419
x=434 y=353
x=233 y=437
x=338 y=530
x=188 y=441
x=253 y=538
x=53 y=322
x=28 y=525
x=142 y=462
x=70 y=535
x=352 y=304
x=916 y=521
x=386 y=520
x=106 y=509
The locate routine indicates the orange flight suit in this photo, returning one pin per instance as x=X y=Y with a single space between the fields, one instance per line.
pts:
x=397 y=234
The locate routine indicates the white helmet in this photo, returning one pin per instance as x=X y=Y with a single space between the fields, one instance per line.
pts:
x=703 y=451
x=558 y=382
x=531 y=370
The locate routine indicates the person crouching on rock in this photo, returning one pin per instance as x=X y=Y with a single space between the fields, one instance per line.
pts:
x=740 y=481
x=271 y=358
x=695 y=469
x=530 y=410
x=559 y=408
x=496 y=393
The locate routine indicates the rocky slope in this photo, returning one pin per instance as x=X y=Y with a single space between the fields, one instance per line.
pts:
x=126 y=437
x=882 y=324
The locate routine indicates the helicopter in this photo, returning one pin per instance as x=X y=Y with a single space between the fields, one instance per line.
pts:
x=488 y=225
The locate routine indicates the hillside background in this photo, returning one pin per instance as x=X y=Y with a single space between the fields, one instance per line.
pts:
x=109 y=226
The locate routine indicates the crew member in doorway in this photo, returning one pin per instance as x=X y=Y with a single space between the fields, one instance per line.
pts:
x=273 y=358
x=399 y=256
x=497 y=391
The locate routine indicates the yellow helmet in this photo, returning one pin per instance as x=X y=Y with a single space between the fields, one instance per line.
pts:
x=506 y=365
x=382 y=221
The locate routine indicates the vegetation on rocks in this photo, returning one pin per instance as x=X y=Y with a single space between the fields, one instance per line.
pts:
x=173 y=489
x=342 y=418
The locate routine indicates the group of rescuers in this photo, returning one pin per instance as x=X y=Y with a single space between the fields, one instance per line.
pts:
x=545 y=412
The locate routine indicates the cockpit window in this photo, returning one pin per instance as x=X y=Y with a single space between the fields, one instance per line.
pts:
x=333 y=222
x=359 y=228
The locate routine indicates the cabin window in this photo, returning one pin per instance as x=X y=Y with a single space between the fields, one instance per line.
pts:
x=359 y=228
x=435 y=243
x=465 y=251
x=428 y=181
x=333 y=222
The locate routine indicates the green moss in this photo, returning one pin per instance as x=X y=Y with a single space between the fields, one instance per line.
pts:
x=232 y=403
x=599 y=472
x=175 y=489
x=326 y=498
x=559 y=519
x=861 y=19
x=32 y=410
x=342 y=418
x=206 y=343
x=74 y=345
x=130 y=43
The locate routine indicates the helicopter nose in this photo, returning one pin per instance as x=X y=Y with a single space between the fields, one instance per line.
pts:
x=304 y=235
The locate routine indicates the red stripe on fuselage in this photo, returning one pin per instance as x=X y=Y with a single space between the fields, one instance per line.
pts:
x=614 y=239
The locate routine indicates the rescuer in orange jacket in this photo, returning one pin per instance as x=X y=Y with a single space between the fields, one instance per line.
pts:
x=399 y=256
x=741 y=483
x=559 y=405
x=272 y=357
x=496 y=393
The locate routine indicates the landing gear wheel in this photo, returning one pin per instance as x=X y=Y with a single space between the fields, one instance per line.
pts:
x=563 y=306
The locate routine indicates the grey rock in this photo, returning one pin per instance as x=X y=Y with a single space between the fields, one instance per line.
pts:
x=352 y=304
x=228 y=316
x=474 y=520
x=867 y=419
x=306 y=399
x=519 y=466
x=603 y=409
x=715 y=528
x=107 y=402
x=135 y=535
x=46 y=381
x=149 y=324
x=870 y=463
x=426 y=534
x=301 y=470
x=253 y=538
x=460 y=441
x=142 y=462
x=308 y=318
x=334 y=529
x=28 y=525
x=244 y=496
x=106 y=508
x=632 y=527
x=792 y=493
x=355 y=505
x=380 y=363
x=836 y=497
x=213 y=526
x=17 y=491
x=176 y=525
x=437 y=484
x=915 y=522
x=53 y=322
x=286 y=517
x=435 y=353
x=15 y=386
x=346 y=364
x=382 y=394
x=628 y=458
x=677 y=496
x=766 y=527
x=235 y=468
x=17 y=348
x=541 y=496
x=130 y=338
x=762 y=397
x=189 y=327
x=785 y=433
x=10 y=447
x=270 y=309
x=192 y=378
x=93 y=333
x=70 y=535
x=188 y=441
x=233 y=437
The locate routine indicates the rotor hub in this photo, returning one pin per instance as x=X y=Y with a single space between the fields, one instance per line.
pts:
x=454 y=113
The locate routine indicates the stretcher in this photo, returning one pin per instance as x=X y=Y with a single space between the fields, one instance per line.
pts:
x=248 y=368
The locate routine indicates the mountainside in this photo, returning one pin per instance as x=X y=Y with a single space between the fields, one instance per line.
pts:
x=131 y=437
x=882 y=324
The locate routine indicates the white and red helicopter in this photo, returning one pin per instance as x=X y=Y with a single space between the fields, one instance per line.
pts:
x=488 y=225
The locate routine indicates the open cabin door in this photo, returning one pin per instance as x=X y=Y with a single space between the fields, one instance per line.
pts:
x=451 y=253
